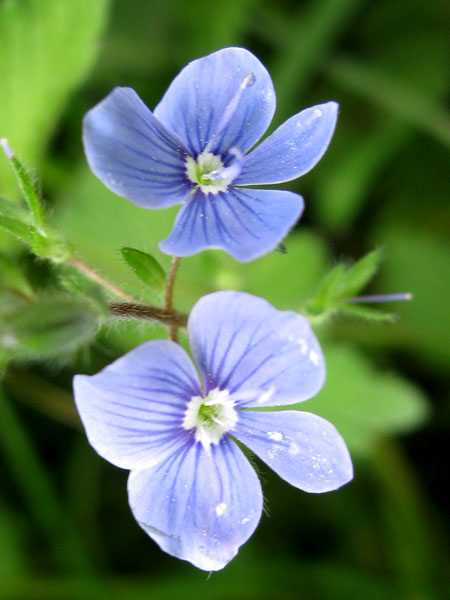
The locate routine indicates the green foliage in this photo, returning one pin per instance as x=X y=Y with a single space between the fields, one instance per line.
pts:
x=47 y=48
x=364 y=402
x=33 y=228
x=341 y=284
x=146 y=268
x=50 y=326
x=12 y=278
x=383 y=182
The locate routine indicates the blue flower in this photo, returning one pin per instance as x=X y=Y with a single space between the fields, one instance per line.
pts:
x=191 y=488
x=194 y=150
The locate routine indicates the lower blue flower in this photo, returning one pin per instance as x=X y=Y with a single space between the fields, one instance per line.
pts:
x=191 y=488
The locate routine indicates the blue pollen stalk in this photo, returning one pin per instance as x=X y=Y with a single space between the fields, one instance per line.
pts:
x=400 y=297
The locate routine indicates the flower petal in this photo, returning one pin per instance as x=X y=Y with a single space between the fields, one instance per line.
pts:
x=133 y=410
x=198 y=506
x=244 y=223
x=264 y=356
x=133 y=154
x=304 y=449
x=292 y=149
x=195 y=105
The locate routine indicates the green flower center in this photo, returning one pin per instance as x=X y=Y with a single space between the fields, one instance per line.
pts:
x=210 y=417
x=201 y=173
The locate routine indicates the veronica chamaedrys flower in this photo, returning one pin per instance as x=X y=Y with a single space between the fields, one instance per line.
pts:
x=194 y=150
x=174 y=424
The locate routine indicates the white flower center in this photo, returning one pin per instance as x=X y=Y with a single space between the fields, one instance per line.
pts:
x=211 y=417
x=202 y=172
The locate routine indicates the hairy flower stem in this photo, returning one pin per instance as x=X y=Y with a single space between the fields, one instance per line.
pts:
x=171 y=318
x=168 y=297
x=132 y=309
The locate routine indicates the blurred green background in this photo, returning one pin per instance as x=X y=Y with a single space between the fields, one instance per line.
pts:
x=65 y=528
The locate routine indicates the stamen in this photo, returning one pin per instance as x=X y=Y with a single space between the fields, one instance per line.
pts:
x=230 y=109
x=381 y=298
x=234 y=168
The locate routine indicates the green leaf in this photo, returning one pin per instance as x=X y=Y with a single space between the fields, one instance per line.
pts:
x=146 y=268
x=27 y=188
x=17 y=228
x=47 y=49
x=363 y=401
x=49 y=327
x=14 y=210
x=12 y=278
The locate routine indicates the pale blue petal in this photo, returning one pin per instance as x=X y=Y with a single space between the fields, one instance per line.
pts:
x=196 y=102
x=304 y=449
x=293 y=149
x=198 y=506
x=264 y=356
x=244 y=223
x=133 y=154
x=133 y=409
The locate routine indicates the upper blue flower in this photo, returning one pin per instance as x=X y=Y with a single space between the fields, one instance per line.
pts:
x=194 y=150
x=191 y=488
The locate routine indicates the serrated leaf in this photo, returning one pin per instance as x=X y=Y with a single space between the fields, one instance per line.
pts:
x=146 y=268
x=49 y=327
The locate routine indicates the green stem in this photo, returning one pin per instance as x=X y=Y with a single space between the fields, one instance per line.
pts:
x=168 y=305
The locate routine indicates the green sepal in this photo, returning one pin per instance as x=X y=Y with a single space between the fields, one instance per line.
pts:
x=50 y=327
x=146 y=268
x=340 y=284
x=367 y=313
x=50 y=245
x=282 y=248
x=327 y=292
x=358 y=275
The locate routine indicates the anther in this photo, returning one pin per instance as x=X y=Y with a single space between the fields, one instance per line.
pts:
x=6 y=148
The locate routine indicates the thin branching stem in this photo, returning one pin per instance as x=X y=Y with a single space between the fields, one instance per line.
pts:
x=168 y=305
x=86 y=270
